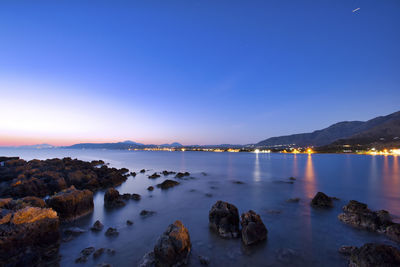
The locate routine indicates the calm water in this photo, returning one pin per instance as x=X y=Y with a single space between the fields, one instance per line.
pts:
x=297 y=234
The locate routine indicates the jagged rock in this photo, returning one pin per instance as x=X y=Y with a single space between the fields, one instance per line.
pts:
x=147 y=213
x=136 y=197
x=126 y=196
x=112 y=232
x=71 y=203
x=253 y=229
x=358 y=215
x=97 y=226
x=224 y=219
x=182 y=174
x=167 y=184
x=154 y=175
x=321 y=200
x=372 y=255
x=29 y=237
x=112 y=198
x=87 y=251
x=150 y=188
x=393 y=232
x=129 y=222
x=172 y=248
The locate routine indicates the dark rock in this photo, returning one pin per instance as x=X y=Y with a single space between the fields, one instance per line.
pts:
x=71 y=203
x=87 y=251
x=293 y=200
x=142 y=171
x=97 y=226
x=371 y=255
x=321 y=200
x=104 y=265
x=224 y=219
x=347 y=250
x=112 y=198
x=150 y=188
x=237 y=182
x=74 y=231
x=136 y=197
x=167 y=184
x=287 y=256
x=165 y=173
x=207 y=194
x=98 y=252
x=81 y=259
x=292 y=178
x=173 y=247
x=129 y=222
x=133 y=174
x=393 y=232
x=112 y=232
x=204 y=260
x=110 y=251
x=126 y=196
x=29 y=237
x=253 y=229
x=147 y=213
x=274 y=212
x=358 y=215
x=182 y=174
x=154 y=175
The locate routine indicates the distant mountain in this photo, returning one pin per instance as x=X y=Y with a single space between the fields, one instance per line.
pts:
x=175 y=144
x=386 y=127
x=38 y=146
x=120 y=145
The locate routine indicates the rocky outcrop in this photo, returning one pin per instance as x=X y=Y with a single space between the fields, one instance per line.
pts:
x=167 y=184
x=165 y=173
x=41 y=178
x=97 y=226
x=321 y=200
x=253 y=229
x=182 y=174
x=172 y=248
x=29 y=237
x=11 y=204
x=154 y=176
x=224 y=219
x=150 y=188
x=358 y=215
x=112 y=198
x=71 y=203
x=372 y=255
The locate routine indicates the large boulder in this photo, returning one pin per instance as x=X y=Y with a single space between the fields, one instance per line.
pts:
x=321 y=200
x=172 y=248
x=112 y=198
x=374 y=255
x=253 y=229
x=224 y=219
x=29 y=237
x=358 y=215
x=71 y=203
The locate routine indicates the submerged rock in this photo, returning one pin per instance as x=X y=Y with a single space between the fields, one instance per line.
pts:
x=112 y=232
x=142 y=171
x=150 y=188
x=371 y=255
x=147 y=213
x=98 y=252
x=154 y=175
x=237 y=182
x=29 y=237
x=253 y=229
x=182 y=174
x=204 y=260
x=167 y=184
x=97 y=226
x=129 y=222
x=321 y=200
x=224 y=219
x=71 y=203
x=112 y=198
x=136 y=197
x=165 y=173
x=293 y=200
x=133 y=174
x=172 y=248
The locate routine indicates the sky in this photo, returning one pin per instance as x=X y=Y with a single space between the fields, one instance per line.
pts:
x=195 y=72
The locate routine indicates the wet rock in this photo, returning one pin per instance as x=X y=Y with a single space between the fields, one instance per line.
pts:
x=71 y=203
x=292 y=178
x=136 y=197
x=167 y=184
x=104 y=265
x=81 y=259
x=112 y=198
x=253 y=229
x=110 y=251
x=147 y=213
x=165 y=173
x=97 y=226
x=173 y=246
x=98 y=252
x=148 y=260
x=112 y=232
x=321 y=200
x=154 y=175
x=133 y=174
x=237 y=182
x=347 y=250
x=204 y=260
x=358 y=215
x=293 y=200
x=207 y=194
x=129 y=222
x=29 y=237
x=150 y=188
x=142 y=171
x=393 y=232
x=126 y=196
x=74 y=231
x=224 y=219
x=182 y=174
x=371 y=255
x=87 y=251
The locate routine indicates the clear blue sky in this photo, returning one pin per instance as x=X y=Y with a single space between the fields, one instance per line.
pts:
x=197 y=72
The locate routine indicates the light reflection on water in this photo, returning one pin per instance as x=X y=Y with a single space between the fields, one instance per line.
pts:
x=313 y=236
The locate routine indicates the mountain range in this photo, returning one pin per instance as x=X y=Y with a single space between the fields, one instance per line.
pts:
x=120 y=145
x=379 y=130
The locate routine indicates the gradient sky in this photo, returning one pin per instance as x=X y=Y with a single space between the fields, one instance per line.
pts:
x=196 y=72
